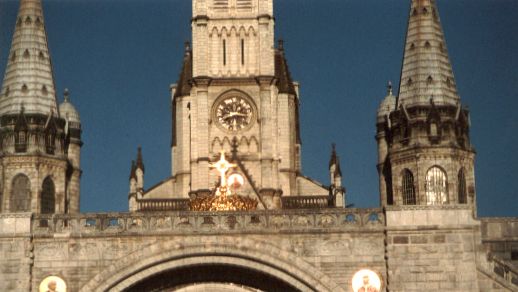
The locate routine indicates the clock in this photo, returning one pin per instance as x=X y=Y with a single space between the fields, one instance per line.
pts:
x=233 y=113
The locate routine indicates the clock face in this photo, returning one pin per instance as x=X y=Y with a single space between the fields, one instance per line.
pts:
x=234 y=113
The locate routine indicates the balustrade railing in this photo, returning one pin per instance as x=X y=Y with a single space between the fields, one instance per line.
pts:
x=163 y=205
x=307 y=202
x=505 y=270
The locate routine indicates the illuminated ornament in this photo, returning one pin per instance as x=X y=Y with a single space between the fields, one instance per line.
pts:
x=222 y=198
x=366 y=281
x=235 y=180
x=53 y=284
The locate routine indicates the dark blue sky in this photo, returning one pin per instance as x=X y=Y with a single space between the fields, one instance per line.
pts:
x=118 y=59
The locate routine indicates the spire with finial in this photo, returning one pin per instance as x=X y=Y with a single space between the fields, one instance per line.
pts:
x=335 y=161
x=389 y=88
x=28 y=76
x=140 y=161
x=426 y=66
x=184 y=81
x=133 y=171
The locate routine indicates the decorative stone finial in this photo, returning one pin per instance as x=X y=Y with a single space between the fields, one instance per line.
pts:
x=187 y=46
x=66 y=95
x=389 y=88
x=280 y=45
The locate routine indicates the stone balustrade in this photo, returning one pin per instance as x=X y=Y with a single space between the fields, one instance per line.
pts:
x=506 y=271
x=163 y=205
x=307 y=202
x=100 y=224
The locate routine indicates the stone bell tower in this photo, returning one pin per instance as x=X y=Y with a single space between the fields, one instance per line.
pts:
x=235 y=94
x=425 y=155
x=39 y=142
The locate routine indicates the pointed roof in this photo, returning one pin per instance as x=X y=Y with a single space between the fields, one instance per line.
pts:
x=184 y=86
x=282 y=72
x=28 y=78
x=133 y=171
x=335 y=160
x=140 y=161
x=426 y=69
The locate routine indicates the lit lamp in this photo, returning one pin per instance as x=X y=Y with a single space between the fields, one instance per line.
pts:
x=222 y=199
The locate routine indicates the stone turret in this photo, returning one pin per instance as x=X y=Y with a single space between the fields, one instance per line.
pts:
x=40 y=169
x=336 y=188
x=73 y=145
x=425 y=156
x=133 y=187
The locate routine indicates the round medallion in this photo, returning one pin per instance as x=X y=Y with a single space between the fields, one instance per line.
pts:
x=233 y=112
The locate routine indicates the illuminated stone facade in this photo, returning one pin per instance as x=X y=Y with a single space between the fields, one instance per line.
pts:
x=416 y=241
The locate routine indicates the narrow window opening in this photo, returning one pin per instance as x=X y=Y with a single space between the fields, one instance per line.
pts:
x=7 y=91
x=25 y=88
x=41 y=56
x=427 y=44
x=48 y=197
x=28 y=20
x=461 y=181
x=409 y=197
x=44 y=90
x=26 y=54
x=409 y=82
x=425 y=11
x=224 y=52
x=38 y=21
x=433 y=129
x=414 y=12
x=429 y=80
x=448 y=82
x=20 y=200
x=242 y=52
x=13 y=57
x=412 y=46
x=436 y=187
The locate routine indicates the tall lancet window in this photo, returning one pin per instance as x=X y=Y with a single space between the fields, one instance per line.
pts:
x=461 y=187
x=408 y=188
x=242 y=51
x=20 y=200
x=224 y=52
x=436 y=186
x=48 y=197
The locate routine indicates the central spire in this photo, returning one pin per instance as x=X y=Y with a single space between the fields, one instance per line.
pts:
x=426 y=73
x=28 y=80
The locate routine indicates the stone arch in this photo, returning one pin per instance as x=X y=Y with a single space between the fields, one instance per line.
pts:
x=183 y=252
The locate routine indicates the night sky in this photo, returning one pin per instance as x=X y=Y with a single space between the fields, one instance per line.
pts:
x=118 y=58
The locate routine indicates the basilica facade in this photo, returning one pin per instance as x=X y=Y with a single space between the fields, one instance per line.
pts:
x=236 y=213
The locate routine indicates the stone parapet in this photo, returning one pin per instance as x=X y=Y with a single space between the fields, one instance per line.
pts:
x=304 y=220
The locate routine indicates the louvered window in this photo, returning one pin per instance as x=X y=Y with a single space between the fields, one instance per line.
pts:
x=220 y=4
x=244 y=4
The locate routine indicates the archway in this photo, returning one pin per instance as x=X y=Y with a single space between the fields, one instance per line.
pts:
x=218 y=260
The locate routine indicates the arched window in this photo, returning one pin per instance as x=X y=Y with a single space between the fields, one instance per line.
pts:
x=48 y=197
x=436 y=186
x=408 y=188
x=461 y=187
x=20 y=194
